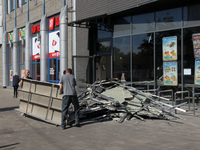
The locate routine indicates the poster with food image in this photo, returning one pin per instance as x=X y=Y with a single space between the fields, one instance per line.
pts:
x=196 y=45
x=54 y=44
x=170 y=75
x=35 y=48
x=197 y=72
x=169 y=48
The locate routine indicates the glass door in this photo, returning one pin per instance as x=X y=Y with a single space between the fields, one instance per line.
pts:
x=54 y=70
x=103 y=67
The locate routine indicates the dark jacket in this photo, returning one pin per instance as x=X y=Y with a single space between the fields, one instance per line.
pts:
x=15 y=80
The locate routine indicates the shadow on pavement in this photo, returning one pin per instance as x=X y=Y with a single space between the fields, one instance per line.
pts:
x=8 y=108
x=9 y=146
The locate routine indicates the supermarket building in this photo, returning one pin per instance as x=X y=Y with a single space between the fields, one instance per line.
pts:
x=149 y=42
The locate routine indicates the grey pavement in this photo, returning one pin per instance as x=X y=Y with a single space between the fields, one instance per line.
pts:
x=23 y=133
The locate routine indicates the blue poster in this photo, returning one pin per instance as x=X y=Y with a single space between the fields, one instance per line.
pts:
x=169 y=47
x=170 y=75
x=197 y=72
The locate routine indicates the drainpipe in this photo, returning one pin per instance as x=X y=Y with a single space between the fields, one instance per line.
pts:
x=44 y=47
x=74 y=34
x=4 y=52
x=28 y=54
x=15 y=45
x=63 y=39
x=44 y=50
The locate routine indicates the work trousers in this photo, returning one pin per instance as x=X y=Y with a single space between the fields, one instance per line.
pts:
x=15 y=91
x=67 y=100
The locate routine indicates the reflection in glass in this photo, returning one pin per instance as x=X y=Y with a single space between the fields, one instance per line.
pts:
x=36 y=71
x=121 y=47
x=10 y=75
x=102 y=34
x=143 y=57
x=103 y=46
x=103 y=67
x=189 y=52
x=10 y=51
x=143 y=23
x=122 y=26
x=191 y=15
x=52 y=70
x=22 y=53
x=168 y=19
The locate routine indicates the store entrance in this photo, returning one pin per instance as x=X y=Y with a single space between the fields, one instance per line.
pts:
x=54 y=70
x=103 y=67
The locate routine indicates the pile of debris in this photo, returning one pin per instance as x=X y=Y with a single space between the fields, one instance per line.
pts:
x=116 y=100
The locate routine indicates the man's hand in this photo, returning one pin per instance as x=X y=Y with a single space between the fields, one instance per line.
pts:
x=61 y=89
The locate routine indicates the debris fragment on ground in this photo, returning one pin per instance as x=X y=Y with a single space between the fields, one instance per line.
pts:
x=116 y=100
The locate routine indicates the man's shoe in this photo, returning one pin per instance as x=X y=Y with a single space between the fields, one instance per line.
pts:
x=63 y=128
x=77 y=125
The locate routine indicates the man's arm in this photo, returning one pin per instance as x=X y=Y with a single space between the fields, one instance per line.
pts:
x=20 y=83
x=61 y=87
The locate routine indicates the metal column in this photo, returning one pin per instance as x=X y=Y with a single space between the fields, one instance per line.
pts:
x=44 y=49
x=28 y=46
x=74 y=33
x=4 y=60
x=63 y=39
x=15 y=51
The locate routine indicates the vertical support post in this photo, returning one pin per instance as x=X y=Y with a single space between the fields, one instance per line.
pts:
x=15 y=51
x=44 y=49
x=27 y=10
x=28 y=47
x=63 y=39
x=4 y=52
x=43 y=7
x=4 y=60
x=73 y=33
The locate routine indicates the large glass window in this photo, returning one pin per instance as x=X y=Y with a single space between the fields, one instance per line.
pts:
x=168 y=19
x=10 y=52
x=191 y=15
x=121 y=60
x=143 y=23
x=189 y=59
x=122 y=26
x=22 y=53
x=143 y=57
x=36 y=71
x=103 y=46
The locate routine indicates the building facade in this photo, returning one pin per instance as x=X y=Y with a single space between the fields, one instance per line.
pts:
x=33 y=39
x=150 y=43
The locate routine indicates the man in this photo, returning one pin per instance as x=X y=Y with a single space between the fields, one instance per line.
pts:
x=15 y=84
x=26 y=76
x=67 y=86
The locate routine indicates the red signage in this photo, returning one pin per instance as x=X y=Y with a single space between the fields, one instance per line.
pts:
x=54 y=54
x=33 y=29
x=36 y=57
x=51 y=23
x=57 y=21
x=38 y=28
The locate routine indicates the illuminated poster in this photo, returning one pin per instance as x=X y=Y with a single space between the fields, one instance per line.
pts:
x=22 y=73
x=35 y=48
x=54 y=44
x=11 y=75
x=196 y=45
x=10 y=37
x=169 y=47
x=170 y=73
x=21 y=33
x=197 y=72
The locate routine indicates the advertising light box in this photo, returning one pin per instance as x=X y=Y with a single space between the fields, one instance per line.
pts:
x=54 y=44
